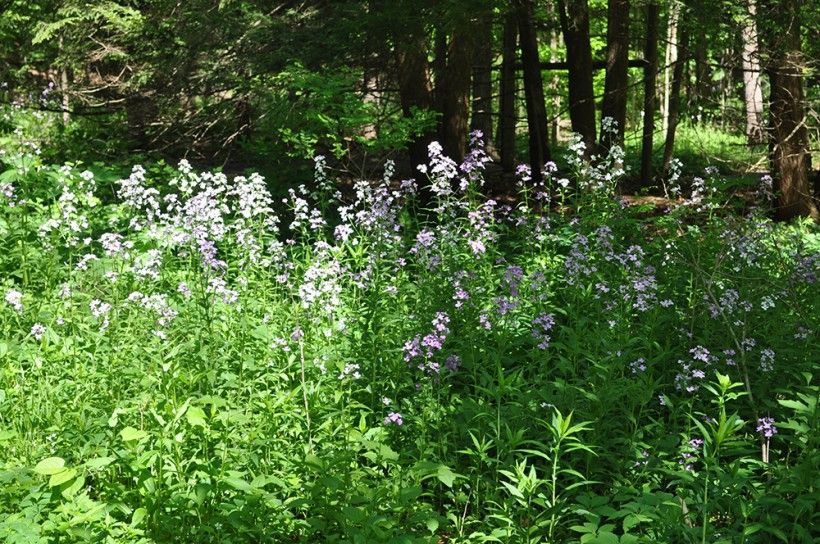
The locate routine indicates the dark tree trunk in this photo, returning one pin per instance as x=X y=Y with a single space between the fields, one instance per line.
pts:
x=791 y=161
x=455 y=97
x=703 y=76
x=438 y=67
x=574 y=15
x=650 y=75
x=674 y=98
x=415 y=92
x=482 y=115
x=507 y=119
x=533 y=89
x=617 y=69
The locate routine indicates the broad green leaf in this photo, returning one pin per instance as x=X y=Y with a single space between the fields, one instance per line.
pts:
x=196 y=417
x=138 y=515
x=130 y=434
x=238 y=484
x=445 y=475
x=62 y=477
x=49 y=466
x=99 y=462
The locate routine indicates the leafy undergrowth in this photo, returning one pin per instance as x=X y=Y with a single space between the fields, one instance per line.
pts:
x=189 y=361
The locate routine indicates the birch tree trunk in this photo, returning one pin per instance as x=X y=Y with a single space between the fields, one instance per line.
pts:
x=671 y=57
x=752 y=92
x=555 y=85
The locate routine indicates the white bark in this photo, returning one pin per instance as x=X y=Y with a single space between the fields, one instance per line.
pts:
x=670 y=59
x=753 y=94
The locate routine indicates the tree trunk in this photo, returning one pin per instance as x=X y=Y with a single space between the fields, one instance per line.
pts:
x=674 y=100
x=650 y=75
x=438 y=67
x=703 y=76
x=415 y=92
x=507 y=119
x=482 y=117
x=791 y=161
x=670 y=59
x=455 y=98
x=555 y=85
x=617 y=70
x=574 y=16
x=753 y=94
x=533 y=90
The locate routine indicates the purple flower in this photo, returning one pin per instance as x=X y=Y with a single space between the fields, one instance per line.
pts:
x=542 y=325
x=477 y=247
x=37 y=331
x=765 y=426
x=394 y=418
x=700 y=353
x=638 y=365
x=696 y=443
x=452 y=363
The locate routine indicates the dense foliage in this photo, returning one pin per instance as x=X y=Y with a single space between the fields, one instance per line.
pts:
x=184 y=358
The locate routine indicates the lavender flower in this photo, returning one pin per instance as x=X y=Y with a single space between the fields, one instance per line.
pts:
x=38 y=331
x=766 y=427
x=394 y=418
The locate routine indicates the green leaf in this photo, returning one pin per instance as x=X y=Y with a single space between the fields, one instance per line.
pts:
x=138 y=515
x=99 y=462
x=238 y=484
x=49 y=466
x=62 y=477
x=445 y=475
x=196 y=417
x=130 y=434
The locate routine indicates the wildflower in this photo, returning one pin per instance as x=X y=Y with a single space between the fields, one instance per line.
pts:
x=477 y=247
x=184 y=290
x=351 y=370
x=452 y=363
x=14 y=299
x=638 y=365
x=696 y=443
x=766 y=427
x=767 y=360
x=387 y=401
x=700 y=353
x=542 y=325
x=394 y=418
x=37 y=331
x=100 y=310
